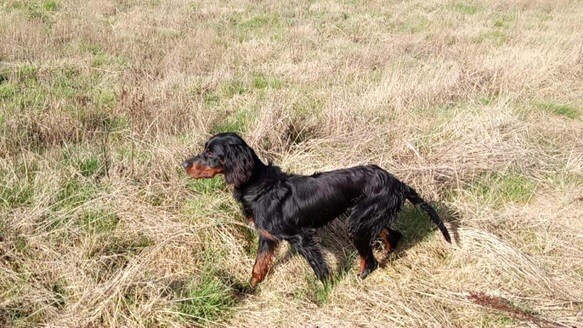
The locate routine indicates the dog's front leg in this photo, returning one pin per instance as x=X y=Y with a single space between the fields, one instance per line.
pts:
x=263 y=261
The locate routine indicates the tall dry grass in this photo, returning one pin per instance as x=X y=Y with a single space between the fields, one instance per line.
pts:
x=476 y=104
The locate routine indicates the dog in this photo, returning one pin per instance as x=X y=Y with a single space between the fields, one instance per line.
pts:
x=291 y=207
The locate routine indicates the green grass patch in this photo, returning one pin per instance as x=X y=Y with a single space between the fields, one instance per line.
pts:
x=234 y=87
x=211 y=98
x=84 y=110
x=93 y=49
x=318 y=292
x=99 y=221
x=23 y=91
x=321 y=291
x=237 y=86
x=499 y=319
x=4 y=75
x=501 y=188
x=90 y=166
x=415 y=225
x=560 y=109
x=66 y=82
x=565 y=180
x=231 y=88
x=17 y=187
x=487 y=100
x=495 y=37
x=468 y=8
x=235 y=122
x=205 y=298
x=100 y=58
x=20 y=91
x=16 y=194
x=21 y=244
x=412 y=25
x=85 y=160
x=195 y=209
x=207 y=186
x=258 y=22
x=104 y=98
x=268 y=25
x=138 y=157
x=498 y=34
x=73 y=193
x=8 y=91
x=42 y=10
x=504 y=21
x=226 y=90
x=125 y=245
x=27 y=74
x=260 y=81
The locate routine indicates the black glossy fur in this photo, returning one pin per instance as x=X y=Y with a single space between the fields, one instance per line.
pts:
x=291 y=207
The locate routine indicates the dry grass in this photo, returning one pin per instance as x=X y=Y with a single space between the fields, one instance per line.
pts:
x=477 y=104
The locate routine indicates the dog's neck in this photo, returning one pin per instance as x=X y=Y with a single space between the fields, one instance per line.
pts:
x=263 y=177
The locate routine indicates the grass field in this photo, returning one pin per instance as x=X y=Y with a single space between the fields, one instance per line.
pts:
x=477 y=104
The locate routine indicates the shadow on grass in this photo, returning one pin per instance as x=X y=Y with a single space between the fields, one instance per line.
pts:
x=414 y=225
x=207 y=297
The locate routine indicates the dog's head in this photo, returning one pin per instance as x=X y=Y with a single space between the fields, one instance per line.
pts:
x=225 y=153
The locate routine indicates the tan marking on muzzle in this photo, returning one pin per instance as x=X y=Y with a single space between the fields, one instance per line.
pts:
x=200 y=171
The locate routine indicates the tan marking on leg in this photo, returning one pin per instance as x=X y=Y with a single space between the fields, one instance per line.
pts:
x=262 y=266
x=385 y=239
x=362 y=264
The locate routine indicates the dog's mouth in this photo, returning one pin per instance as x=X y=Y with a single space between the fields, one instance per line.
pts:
x=201 y=171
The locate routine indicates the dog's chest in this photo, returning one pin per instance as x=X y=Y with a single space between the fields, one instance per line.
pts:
x=254 y=220
x=262 y=227
x=262 y=209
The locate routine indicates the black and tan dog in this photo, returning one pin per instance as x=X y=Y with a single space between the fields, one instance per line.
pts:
x=291 y=207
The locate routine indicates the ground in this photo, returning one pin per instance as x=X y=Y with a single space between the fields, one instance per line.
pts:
x=477 y=104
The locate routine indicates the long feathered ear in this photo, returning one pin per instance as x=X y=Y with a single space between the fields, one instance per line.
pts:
x=239 y=164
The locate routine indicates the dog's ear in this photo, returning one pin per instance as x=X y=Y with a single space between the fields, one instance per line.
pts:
x=239 y=163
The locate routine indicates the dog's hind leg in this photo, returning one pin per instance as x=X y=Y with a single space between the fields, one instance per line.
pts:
x=305 y=244
x=390 y=238
x=369 y=219
x=363 y=227
x=368 y=263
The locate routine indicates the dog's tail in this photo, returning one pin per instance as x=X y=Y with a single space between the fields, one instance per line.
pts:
x=414 y=198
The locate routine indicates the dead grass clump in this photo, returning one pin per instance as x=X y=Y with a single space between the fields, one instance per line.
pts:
x=278 y=128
